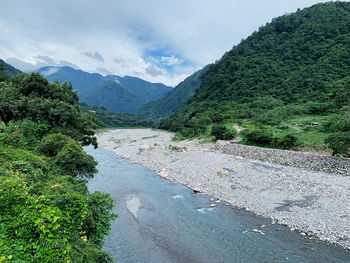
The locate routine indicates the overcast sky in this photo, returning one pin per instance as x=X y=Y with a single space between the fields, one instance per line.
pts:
x=157 y=40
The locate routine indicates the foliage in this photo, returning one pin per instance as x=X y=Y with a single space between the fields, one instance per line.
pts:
x=222 y=133
x=32 y=97
x=108 y=119
x=174 y=100
x=74 y=161
x=339 y=143
x=46 y=212
x=259 y=136
x=296 y=66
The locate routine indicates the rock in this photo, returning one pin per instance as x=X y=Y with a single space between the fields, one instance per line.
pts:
x=212 y=205
x=218 y=201
x=196 y=190
x=303 y=234
x=258 y=231
x=262 y=226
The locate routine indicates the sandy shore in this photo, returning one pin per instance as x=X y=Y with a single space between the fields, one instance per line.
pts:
x=315 y=203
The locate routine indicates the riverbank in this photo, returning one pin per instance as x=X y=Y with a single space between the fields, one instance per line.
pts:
x=313 y=202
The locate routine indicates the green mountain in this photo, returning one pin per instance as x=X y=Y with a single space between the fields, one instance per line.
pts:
x=113 y=97
x=136 y=91
x=81 y=81
x=110 y=119
x=144 y=90
x=174 y=100
x=297 y=65
x=7 y=70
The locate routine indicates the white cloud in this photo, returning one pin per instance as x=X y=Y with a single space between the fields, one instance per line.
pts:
x=123 y=36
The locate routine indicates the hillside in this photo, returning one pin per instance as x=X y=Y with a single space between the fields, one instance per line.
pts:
x=135 y=91
x=113 y=97
x=81 y=81
x=110 y=119
x=144 y=90
x=47 y=213
x=7 y=70
x=292 y=72
x=174 y=100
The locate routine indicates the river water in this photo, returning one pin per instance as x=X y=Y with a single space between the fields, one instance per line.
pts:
x=165 y=222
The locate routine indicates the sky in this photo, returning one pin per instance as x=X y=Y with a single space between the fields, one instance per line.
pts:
x=157 y=40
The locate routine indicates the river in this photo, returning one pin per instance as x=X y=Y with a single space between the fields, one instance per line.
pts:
x=165 y=222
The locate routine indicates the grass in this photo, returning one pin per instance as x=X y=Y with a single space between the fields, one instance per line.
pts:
x=222 y=174
x=177 y=149
x=149 y=137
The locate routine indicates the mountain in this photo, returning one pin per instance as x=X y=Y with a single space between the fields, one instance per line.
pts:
x=144 y=90
x=174 y=100
x=81 y=81
x=134 y=91
x=110 y=119
x=296 y=65
x=113 y=97
x=7 y=70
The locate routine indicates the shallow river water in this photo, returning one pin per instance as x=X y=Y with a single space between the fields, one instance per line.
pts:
x=165 y=222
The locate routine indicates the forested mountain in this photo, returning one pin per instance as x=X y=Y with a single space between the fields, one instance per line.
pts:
x=7 y=70
x=81 y=81
x=174 y=100
x=113 y=97
x=145 y=91
x=46 y=211
x=108 y=119
x=93 y=88
x=297 y=65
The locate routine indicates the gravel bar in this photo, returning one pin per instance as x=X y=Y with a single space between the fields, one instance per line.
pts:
x=314 y=199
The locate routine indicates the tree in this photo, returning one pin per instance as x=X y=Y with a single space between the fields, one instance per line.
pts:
x=222 y=133
x=74 y=161
x=31 y=96
x=339 y=143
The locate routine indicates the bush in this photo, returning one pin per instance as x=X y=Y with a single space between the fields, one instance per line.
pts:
x=288 y=142
x=75 y=161
x=52 y=144
x=339 y=143
x=222 y=133
x=259 y=136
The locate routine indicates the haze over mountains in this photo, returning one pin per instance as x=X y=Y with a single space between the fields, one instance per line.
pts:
x=119 y=94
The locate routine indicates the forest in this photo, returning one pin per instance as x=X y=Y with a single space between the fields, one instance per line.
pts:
x=46 y=211
x=287 y=85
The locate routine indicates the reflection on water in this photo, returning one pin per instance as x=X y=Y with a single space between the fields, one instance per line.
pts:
x=165 y=222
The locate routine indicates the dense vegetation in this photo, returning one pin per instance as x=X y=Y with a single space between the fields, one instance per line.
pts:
x=82 y=81
x=46 y=211
x=113 y=97
x=119 y=94
x=290 y=80
x=174 y=100
x=7 y=70
x=108 y=119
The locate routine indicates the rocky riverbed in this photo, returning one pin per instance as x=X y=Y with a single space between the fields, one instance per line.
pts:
x=315 y=203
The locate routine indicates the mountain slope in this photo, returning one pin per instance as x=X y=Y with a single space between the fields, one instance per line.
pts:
x=113 y=97
x=144 y=90
x=7 y=70
x=81 y=81
x=174 y=100
x=286 y=69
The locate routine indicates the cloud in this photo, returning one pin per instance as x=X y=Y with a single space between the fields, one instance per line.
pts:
x=170 y=61
x=154 y=71
x=95 y=55
x=39 y=61
x=162 y=41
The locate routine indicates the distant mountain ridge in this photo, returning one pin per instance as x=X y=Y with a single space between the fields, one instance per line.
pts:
x=127 y=95
x=175 y=99
x=7 y=70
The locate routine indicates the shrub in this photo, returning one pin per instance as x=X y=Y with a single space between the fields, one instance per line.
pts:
x=288 y=142
x=259 y=136
x=222 y=133
x=52 y=144
x=75 y=161
x=339 y=143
